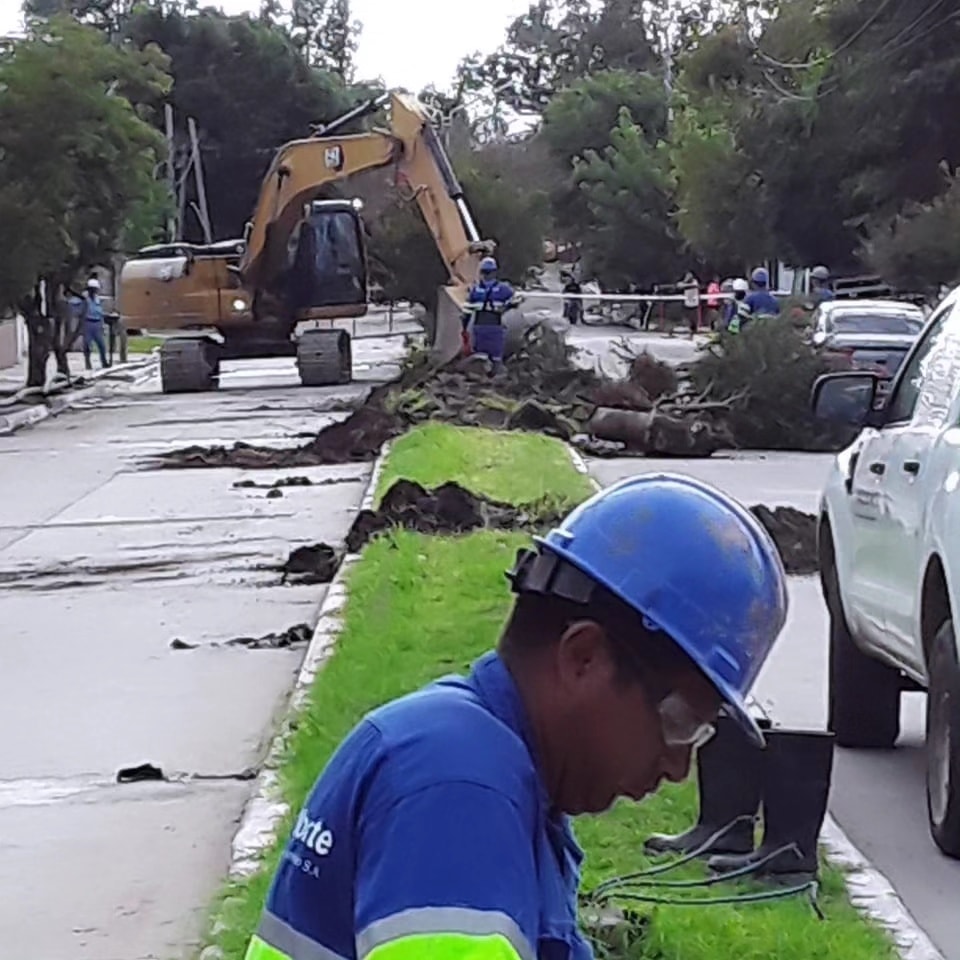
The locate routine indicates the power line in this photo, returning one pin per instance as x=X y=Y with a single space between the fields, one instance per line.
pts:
x=859 y=32
x=892 y=46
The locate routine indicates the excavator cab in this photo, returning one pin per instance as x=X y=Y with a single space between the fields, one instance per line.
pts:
x=326 y=271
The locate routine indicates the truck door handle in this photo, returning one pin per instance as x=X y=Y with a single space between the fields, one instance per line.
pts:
x=878 y=467
x=911 y=466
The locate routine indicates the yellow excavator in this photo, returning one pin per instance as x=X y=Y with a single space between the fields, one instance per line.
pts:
x=302 y=258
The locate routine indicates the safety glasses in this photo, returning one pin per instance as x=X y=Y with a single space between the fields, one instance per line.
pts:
x=680 y=725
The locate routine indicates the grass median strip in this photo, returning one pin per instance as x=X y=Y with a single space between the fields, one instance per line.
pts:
x=454 y=592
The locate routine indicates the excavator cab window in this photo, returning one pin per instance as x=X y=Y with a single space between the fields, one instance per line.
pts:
x=328 y=258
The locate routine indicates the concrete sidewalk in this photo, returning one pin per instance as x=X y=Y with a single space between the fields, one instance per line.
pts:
x=16 y=414
x=103 y=562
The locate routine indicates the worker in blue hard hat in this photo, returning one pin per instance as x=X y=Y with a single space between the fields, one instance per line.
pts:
x=820 y=287
x=439 y=828
x=760 y=301
x=487 y=301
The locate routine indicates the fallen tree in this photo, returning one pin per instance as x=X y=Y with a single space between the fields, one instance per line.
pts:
x=770 y=369
x=749 y=391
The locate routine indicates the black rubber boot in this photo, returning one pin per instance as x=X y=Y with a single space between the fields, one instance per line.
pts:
x=728 y=778
x=797 y=770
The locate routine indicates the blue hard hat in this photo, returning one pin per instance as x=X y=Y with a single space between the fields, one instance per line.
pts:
x=488 y=265
x=695 y=564
x=760 y=277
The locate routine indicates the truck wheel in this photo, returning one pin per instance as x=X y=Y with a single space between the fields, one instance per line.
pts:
x=864 y=694
x=943 y=741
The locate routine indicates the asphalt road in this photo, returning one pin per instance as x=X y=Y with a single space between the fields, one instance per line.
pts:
x=102 y=564
x=877 y=797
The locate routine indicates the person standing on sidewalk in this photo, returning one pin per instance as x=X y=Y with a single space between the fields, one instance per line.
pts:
x=439 y=828
x=92 y=320
x=713 y=302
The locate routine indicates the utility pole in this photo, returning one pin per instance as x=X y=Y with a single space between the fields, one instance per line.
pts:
x=173 y=231
x=202 y=212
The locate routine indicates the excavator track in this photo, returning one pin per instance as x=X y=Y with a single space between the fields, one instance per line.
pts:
x=189 y=365
x=324 y=358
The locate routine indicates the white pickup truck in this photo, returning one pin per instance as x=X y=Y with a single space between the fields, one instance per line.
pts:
x=889 y=544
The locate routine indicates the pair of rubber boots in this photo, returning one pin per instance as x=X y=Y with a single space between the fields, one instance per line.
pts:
x=789 y=780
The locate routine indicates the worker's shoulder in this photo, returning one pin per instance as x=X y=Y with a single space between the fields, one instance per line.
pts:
x=444 y=734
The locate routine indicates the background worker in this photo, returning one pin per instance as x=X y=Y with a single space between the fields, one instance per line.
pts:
x=487 y=301
x=573 y=308
x=439 y=827
x=713 y=302
x=92 y=323
x=820 y=287
x=760 y=300
x=737 y=311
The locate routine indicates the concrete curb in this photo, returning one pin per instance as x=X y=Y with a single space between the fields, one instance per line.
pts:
x=869 y=890
x=59 y=403
x=266 y=807
x=872 y=894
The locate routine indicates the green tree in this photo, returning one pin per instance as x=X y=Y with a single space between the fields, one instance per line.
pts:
x=721 y=196
x=581 y=118
x=249 y=91
x=76 y=168
x=556 y=43
x=337 y=40
x=628 y=192
x=404 y=258
x=917 y=249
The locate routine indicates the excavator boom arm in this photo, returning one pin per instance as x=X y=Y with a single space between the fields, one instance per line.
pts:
x=302 y=168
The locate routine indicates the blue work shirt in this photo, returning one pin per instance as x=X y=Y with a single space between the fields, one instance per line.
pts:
x=822 y=294
x=92 y=308
x=486 y=301
x=430 y=820
x=762 y=302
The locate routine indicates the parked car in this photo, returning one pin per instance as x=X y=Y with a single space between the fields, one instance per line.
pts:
x=889 y=547
x=872 y=334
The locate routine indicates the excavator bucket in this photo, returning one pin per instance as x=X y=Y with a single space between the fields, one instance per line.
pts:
x=446 y=334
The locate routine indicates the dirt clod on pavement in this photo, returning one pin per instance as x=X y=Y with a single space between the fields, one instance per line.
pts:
x=795 y=534
x=316 y=563
x=144 y=771
x=298 y=634
x=447 y=509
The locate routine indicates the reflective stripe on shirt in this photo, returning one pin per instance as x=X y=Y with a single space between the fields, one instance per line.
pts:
x=277 y=940
x=480 y=933
x=446 y=946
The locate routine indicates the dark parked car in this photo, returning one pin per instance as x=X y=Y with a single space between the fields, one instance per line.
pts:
x=874 y=335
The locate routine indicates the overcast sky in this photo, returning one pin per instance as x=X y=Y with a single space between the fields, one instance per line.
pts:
x=410 y=43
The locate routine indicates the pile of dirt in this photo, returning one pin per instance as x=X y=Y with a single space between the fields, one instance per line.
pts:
x=795 y=534
x=357 y=438
x=316 y=563
x=452 y=509
x=447 y=509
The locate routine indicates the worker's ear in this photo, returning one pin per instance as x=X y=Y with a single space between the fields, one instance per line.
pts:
x=583 y=657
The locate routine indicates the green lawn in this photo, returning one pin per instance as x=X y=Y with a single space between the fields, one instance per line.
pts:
x=454 y=590
x=517 y=468
x=143 y=344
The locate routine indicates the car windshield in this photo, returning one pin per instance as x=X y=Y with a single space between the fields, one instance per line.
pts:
x=850 y=322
